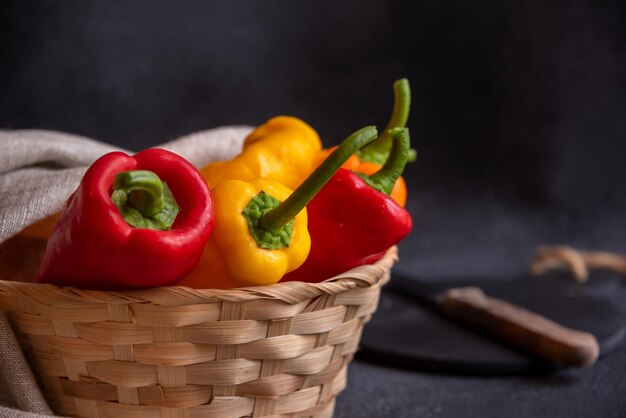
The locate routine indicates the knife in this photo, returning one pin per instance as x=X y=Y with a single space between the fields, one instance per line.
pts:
x=509 y=323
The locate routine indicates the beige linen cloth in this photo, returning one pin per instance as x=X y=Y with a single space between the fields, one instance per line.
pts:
x=38 y=171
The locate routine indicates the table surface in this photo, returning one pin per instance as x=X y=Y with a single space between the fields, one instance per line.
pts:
x=375 y=391
x=488 y=240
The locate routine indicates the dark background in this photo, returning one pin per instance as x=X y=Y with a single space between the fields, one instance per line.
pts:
x=518 y=115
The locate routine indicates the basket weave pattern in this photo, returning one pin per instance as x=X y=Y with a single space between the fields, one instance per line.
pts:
x=279 y=350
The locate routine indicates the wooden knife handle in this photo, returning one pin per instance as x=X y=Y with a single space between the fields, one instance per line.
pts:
x=519 y=327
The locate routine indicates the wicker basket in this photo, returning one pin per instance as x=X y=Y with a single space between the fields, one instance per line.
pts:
x=280 y=350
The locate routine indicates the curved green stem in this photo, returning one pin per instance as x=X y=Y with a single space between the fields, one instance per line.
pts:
x=144 y=190
x=385 y=178
x=276 y=218
x=143 y=200
x=378 y=151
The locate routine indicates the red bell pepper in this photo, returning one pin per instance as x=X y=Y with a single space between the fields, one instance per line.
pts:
x=124 y=228
x=353 y=220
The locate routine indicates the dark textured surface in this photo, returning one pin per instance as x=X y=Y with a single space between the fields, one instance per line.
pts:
x=405 y=333
x=518 y=117
x=382 y=392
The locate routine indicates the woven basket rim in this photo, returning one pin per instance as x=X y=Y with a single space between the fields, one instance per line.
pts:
x=289 y=292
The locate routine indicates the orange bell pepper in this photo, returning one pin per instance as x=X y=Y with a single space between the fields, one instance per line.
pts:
x=41 y=229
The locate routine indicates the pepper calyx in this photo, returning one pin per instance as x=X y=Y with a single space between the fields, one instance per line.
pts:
x=254 y=211
x=370 y=183
x=144 y=200
x=384 y=179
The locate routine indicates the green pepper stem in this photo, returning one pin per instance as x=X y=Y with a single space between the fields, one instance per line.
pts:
x=386 y=177
x=276 y=218
x=378 y=151
x=144 y=201
x=144 y=190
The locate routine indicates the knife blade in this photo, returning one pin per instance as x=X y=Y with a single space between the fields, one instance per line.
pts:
x=505 y=321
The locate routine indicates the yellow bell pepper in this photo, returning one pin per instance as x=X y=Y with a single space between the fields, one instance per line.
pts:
x=260 y=230
x=232 y=257
x=281 y=149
